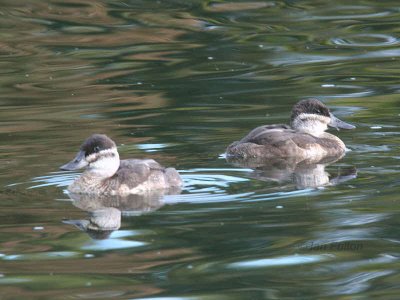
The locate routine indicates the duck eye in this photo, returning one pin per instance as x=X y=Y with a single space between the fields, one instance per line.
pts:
x=96 y=149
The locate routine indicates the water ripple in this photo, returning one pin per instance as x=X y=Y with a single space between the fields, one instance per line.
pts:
x=42 y=256
x=366 y=40
x=281 y=261
x=296 y=58
x=346 y=12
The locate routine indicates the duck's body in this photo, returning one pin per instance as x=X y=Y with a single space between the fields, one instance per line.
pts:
x=134 y=176
x=281 y=141
x=305 y=139
x=105 y=174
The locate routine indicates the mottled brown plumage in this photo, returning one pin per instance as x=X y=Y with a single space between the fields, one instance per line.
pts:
x=105 y=174
x=304 y=140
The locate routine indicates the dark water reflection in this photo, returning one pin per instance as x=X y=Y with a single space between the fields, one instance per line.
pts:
x=178 y=81
x=303 y=174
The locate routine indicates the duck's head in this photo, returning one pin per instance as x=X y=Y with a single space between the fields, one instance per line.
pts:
x=98 y=154
x=313 y=117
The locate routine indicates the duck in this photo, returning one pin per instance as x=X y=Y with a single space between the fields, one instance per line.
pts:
x=304 y=139
x=106 y=174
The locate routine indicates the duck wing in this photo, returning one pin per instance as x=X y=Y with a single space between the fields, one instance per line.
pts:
x=287 y=139
x=147 y=173
x=133 y=172
x=279 y=134
x=268 y=134
x=280 y=141
x=139 y=163
x=289 y=143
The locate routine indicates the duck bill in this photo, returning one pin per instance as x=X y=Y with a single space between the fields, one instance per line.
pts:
x=337 y=123
x=81 y=224
x=78 y=162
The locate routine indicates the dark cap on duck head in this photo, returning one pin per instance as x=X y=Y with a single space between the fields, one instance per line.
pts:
x=96 y=143
x=309 y=106
x=315 y=107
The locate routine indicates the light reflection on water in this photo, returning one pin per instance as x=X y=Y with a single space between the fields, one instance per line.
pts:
x=280 y=261
x=366 y=40
x=113 y=242
x=41 y=256
x=201 y=185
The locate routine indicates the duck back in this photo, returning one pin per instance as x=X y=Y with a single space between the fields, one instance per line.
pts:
x=280 y=141
x=137 y=175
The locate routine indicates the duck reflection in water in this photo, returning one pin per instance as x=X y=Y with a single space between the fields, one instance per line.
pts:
x=101 y=223
x=110 y=187
x=105 y=212
x=303 y=175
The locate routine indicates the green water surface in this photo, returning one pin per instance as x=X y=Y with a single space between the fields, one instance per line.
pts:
x=178 y=81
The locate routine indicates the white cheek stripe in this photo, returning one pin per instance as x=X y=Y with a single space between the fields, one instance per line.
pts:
x=306 y=116
x=103 y=153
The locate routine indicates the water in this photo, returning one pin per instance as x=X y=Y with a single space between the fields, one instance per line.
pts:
x=178 y=81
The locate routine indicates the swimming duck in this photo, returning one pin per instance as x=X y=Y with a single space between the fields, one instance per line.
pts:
x=106 y=174
x=305 y=139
